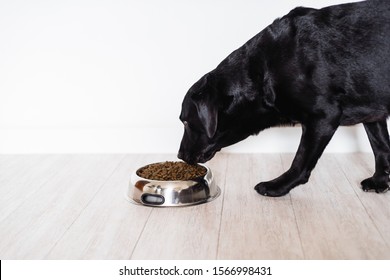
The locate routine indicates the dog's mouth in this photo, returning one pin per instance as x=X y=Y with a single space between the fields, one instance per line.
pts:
x=207 y=156
x=202 y=158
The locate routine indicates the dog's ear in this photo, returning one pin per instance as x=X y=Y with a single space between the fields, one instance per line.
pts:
x=269 y=92
x=207 y=112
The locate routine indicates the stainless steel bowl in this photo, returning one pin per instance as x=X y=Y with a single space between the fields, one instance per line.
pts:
x=172 y=193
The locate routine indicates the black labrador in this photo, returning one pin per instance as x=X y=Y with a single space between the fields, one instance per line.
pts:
x=321 y=68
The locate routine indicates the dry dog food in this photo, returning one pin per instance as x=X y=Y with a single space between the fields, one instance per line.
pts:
x=171 y=171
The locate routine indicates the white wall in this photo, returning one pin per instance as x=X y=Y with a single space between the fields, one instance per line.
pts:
x=109 y=75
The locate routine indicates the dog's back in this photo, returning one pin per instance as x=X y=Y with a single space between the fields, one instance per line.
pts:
x=342 y=51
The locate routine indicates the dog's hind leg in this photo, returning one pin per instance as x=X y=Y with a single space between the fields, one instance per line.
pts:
x=315 y=137
x=379 y=139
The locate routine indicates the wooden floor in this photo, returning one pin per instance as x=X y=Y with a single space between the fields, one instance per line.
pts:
x=73 y=207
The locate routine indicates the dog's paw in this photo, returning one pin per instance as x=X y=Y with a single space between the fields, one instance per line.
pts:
x=373 y=184
x=271 y=189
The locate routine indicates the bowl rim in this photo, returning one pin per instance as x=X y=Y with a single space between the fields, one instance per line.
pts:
x=208 y=172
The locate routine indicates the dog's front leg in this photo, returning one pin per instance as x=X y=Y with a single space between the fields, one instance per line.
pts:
x=315 y=137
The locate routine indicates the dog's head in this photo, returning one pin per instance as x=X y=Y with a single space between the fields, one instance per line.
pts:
x=224 y=107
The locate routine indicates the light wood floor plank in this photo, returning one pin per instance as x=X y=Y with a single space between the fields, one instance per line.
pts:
x=34 y=227
x=332 y=222
x=185 y=233
x=358 y=167
x=23 y=175
x=110 y=226
x=253 y=226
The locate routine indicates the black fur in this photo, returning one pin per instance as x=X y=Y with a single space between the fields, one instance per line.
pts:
x=320 y=68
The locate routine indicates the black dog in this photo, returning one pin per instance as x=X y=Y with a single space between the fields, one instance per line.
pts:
x=320 y=68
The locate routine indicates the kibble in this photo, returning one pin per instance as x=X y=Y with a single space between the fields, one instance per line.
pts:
x=171 y=171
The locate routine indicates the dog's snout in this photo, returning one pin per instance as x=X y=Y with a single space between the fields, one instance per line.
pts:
x=187 y=158
x=194 y=157
x=180 y=155
x=183 y=155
